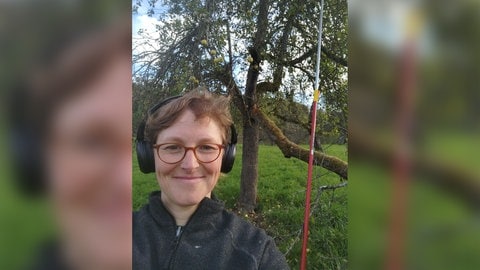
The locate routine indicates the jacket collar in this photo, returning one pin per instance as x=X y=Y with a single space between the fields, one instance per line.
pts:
x=206 y=211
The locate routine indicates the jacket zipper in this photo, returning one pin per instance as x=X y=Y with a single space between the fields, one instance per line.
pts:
x=178 y=234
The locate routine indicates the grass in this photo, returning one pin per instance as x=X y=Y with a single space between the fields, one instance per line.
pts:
x=281 y=203
x=24 y=222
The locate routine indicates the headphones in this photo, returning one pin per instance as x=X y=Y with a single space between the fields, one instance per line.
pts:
x=25 y=147
x=145 y=153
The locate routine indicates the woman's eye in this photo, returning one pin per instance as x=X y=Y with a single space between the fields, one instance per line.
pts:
x=207 y=147
x=172 y=147
x=90 y=141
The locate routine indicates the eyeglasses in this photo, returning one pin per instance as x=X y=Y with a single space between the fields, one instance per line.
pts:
x=172 y=153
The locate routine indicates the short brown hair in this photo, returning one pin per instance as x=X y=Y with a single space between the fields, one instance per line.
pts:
x=82 y=60
x=201 y=102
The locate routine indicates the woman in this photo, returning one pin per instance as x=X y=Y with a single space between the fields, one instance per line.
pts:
x=75 y=113
x=184 y=226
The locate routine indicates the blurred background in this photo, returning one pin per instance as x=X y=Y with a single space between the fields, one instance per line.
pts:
x=33 y=34
x=414 y=134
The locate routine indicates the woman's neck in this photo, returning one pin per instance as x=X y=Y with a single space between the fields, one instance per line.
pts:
x=181 y=214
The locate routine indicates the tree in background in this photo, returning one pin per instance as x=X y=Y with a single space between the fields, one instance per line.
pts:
x=262 y=54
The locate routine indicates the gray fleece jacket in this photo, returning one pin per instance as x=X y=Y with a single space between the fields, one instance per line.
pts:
x=213 y=238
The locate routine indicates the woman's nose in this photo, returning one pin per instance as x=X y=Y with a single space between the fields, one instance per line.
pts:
x=189 y=161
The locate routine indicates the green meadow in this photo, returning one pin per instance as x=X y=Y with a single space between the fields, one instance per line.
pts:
x=281 y=204
x=441 y=228
x=24 y=222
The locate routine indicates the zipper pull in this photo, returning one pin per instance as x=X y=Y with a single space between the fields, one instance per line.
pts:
x=179 y=231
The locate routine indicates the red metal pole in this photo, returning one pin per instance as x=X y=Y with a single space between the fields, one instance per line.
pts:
x=402 y=164
x=306 y=217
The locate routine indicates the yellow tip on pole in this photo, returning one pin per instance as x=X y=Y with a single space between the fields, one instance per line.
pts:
x=414 y=23
x=316 y=95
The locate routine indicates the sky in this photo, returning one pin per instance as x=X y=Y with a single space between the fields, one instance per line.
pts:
x=391 y=23
x=147 y=25
x=140 y=20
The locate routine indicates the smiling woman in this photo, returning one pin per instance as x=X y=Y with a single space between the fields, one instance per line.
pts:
x=73 y=146
x=184 y=226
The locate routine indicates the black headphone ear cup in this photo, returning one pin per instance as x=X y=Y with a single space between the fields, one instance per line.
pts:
x=145 y=156
x=230 y=151
x=28 y=162
x=146 y=160
x=25 y=146
x=228 y=158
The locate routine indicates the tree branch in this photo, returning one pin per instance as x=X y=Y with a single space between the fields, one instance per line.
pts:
x=290 y=149
x=334 y=58
x=443 y=174
x=310 y=52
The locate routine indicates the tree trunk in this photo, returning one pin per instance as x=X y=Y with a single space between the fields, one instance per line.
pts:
x=249 y=177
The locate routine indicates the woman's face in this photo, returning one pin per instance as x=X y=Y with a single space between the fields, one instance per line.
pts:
x=89 y=166
x=186 y=183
